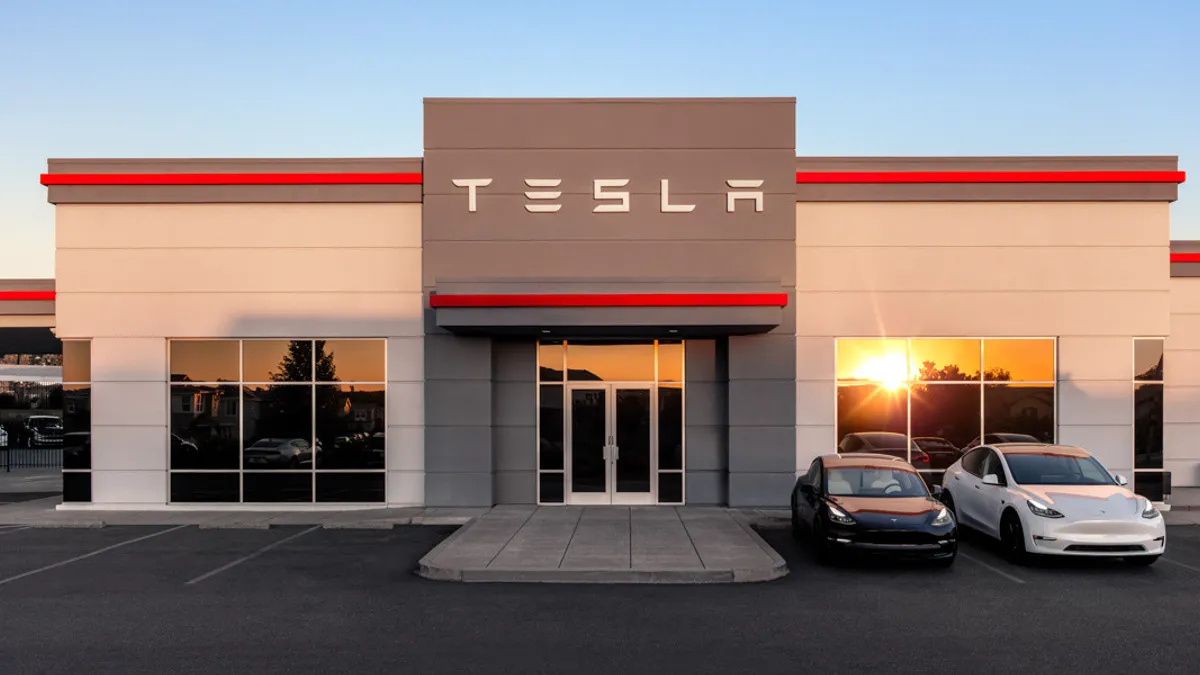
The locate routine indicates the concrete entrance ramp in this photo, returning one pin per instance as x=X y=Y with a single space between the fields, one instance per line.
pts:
x=605 y=544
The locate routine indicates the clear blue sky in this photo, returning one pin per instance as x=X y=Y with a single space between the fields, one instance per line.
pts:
x=219 y=78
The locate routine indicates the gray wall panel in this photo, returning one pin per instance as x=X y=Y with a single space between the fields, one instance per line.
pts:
x=707 y=448
x=760 y=449
x=761 y=490
x=514 y=361
x=514 y=448
x=515 y=487
x=705 y=403
x=453 y=358
x=458 y=449
x=458 y=489
x=762 y=402
x=764 y=357
x=706 y=488
x=700 y=361
x=458 y=403
x=509 y=124
x=514 y=404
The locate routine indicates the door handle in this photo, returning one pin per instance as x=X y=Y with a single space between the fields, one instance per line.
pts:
x=977 y=487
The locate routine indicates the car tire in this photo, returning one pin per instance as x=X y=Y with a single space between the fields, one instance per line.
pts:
x=948 y=502
x=1012 y=539
x=1142 y=560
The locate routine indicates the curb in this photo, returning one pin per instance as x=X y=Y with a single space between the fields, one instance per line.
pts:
x=778 y=568
x=83 y=525
x=361 y=526
x=234 y=526
x=426 y=568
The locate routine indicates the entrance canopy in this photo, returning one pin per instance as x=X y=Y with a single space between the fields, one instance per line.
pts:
x=666 y=315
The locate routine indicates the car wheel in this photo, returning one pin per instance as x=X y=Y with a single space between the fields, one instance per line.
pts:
x=948 y=501
x=1142 y=560
x=1012 y=538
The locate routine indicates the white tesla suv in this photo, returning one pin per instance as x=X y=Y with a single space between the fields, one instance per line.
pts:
x=1053 y=499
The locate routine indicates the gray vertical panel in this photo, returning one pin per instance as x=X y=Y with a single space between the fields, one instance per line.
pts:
x=458 y=393
x=705 y=422
x=762 y=418
x=514 y=421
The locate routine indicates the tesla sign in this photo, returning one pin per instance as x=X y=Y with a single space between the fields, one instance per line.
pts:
x=544 y=196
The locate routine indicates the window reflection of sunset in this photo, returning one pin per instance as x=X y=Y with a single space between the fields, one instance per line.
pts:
x=888 y=370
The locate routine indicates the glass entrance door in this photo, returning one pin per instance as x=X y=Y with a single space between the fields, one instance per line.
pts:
x=611 y=433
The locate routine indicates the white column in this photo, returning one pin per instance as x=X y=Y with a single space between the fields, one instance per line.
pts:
x=406 y=421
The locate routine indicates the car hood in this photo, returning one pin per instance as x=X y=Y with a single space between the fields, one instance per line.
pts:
x=887 y=506
x=1086 y=501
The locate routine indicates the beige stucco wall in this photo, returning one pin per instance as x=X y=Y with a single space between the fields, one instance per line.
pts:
x=1092 y=275
x=130 y=277
x=1181 y=373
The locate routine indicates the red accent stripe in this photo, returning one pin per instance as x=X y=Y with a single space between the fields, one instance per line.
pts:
x=26 y=295
x=1185 y=257
x=990 y=176
x=613 y=300
x=231 y=179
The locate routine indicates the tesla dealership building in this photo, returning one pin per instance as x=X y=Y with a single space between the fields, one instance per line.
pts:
x=595 y=301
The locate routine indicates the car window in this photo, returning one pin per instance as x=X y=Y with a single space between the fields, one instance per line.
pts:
x=972 y=462
x=1051 y=469
x=880 y=482
x=992 y=465
x=851 y=443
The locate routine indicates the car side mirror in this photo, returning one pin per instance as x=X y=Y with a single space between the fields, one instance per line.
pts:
x=938 y=491
x=1121 y=480
x=991 y=479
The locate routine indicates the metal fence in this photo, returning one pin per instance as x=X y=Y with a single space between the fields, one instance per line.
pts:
x=30 y=458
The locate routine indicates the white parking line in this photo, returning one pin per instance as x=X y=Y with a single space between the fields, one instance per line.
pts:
x=89 y=555
x=257 y=553
x=11 y=529
x=997 y=570
x=1186 y=567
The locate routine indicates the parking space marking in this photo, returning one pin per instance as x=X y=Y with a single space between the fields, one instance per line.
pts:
x=997 y=570
x=1185 y=566
x=14 y=528
x=89 y=555
x=243 y=559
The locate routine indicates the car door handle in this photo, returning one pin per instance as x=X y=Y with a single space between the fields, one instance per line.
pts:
x=977 y=487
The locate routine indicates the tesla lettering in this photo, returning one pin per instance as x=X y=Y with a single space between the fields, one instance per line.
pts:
x=543 y=200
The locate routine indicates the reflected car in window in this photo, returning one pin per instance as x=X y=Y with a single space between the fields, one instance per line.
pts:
x=3 y=437
x=942 y=453
x=883 y=443
x=278 y=453
x=43 y=431
x=1052 y=500
x=1001 y=437
x=871 y=504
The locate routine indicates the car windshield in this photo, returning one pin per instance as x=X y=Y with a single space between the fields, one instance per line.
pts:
x=1015 y=438
x=44 y=422
x=1050 y=469
x=933 y=444
x=875 y=482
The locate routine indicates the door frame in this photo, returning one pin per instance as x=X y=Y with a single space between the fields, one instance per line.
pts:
x=610 y=496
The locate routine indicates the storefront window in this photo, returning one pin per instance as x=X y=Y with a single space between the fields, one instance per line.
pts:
x=928 y=400
x=279 y=420
x=1148 y=477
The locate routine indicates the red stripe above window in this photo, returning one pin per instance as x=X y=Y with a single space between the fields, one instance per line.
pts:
x=26 y=295
x=612 y=300
x=1185 y=257
x=231 y=179
x=990 y=176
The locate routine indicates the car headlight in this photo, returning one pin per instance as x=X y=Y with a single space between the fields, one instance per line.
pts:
x=1040 y=509
x=1148 y=511
x=943 y=518
x=839 y=516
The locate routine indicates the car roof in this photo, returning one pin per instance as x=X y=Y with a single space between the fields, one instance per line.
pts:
x=864 y=460
x=1040 y=449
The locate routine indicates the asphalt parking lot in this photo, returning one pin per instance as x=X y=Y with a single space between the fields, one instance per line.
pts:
x=299 y=599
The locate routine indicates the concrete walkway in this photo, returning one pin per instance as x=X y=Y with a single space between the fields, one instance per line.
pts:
x=605 y=544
